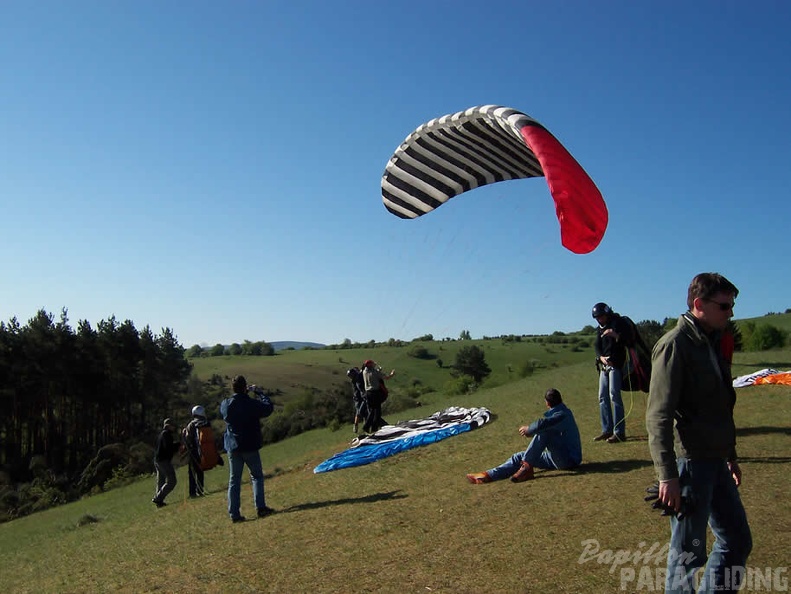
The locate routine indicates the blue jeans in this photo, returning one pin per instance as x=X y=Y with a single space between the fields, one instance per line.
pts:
x=236 y=462
x=542 y=452
x=716 y=502
x=611 y=403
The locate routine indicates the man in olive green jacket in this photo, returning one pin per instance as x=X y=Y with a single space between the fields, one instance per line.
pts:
x=692 y=438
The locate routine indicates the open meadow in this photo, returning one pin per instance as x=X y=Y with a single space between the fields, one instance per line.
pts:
x=411 y=523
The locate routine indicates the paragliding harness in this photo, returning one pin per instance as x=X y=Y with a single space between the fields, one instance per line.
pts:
x=206 y=455
x=636 y=373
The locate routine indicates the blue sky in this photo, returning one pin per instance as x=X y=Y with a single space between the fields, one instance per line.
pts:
x=215 y=167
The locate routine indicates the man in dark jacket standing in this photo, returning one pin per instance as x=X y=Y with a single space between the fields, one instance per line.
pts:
x=692 y=438
x=165 y=448
x=242 y=441
x=612 y=337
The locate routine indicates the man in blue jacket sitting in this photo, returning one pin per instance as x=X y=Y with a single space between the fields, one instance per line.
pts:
x=555 y=445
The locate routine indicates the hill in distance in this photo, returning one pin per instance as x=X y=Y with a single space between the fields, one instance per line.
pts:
x=282 y=345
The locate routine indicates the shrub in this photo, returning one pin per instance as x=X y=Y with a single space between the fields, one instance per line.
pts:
x=463 y=384
x=418 y=351
x=766 y=337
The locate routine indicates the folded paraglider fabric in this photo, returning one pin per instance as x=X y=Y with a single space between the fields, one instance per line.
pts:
x=764 y=376
x=405 y=435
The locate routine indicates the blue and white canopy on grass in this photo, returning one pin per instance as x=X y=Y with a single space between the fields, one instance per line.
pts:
x=405 y=435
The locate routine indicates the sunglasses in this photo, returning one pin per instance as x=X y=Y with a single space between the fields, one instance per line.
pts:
x=722 y=306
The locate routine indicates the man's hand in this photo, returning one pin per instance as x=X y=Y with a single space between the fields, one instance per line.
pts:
x=736 y=472
x=670 y=494
x=524 y=431
x=662 y=494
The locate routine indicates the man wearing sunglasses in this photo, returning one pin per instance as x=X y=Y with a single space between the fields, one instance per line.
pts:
x=692 y=438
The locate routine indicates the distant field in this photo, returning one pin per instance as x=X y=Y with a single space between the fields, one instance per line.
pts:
x=293 y=371
x=781 y=321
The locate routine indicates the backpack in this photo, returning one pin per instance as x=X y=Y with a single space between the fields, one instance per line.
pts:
x=636 y=373
x=207 y=448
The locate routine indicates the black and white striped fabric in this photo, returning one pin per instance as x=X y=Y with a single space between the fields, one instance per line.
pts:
x=456 y=153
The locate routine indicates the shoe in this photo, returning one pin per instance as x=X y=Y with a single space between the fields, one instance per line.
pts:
x=265 y=511
x=478 y=478
x=525 y=473
x=158 y=503
x=604 y=435
x=238 y=519
x=616 y=438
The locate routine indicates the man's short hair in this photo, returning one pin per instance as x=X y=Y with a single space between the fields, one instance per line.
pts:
x=707 y=284
x=553 y=397
x=239 y=384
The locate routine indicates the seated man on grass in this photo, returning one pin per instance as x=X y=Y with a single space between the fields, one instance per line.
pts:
x=555 y=445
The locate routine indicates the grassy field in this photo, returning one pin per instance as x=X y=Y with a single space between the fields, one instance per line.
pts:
x=292 y=372
x=410 y=523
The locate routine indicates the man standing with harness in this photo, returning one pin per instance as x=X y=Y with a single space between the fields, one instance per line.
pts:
x=613 y=335
x=374 y=395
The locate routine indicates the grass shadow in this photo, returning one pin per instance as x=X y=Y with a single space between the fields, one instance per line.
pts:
x=765 y=460
x=373 y=498
x=613 y=466
x=744 y=431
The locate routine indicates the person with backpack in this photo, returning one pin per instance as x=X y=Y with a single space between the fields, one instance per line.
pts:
x=358 y=395
x=613 y=336
x=242 y=415
x=375 y=395
x=201 y=450
x=164 y=450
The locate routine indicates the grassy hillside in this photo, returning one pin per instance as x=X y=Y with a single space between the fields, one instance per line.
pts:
x=410 y=523
x=781 y=321
x=293 y=371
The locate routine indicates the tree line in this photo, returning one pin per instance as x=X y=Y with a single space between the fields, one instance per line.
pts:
x=64 y=393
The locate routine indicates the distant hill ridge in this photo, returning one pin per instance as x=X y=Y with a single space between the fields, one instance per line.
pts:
x=282 y=345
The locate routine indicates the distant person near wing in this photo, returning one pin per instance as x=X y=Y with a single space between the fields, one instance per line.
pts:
x=375 y=395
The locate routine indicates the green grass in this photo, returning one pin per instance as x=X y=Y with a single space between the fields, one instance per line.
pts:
x=292 y=372
x=409 y=523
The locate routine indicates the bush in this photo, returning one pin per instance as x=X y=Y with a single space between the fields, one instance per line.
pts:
x=418 y=351
x=766 y=337
x=528 y=367
x=463 y=384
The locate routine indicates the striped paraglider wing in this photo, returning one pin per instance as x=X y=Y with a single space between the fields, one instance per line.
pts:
x=487 y=144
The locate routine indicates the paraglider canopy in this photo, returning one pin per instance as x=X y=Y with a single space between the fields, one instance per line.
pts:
x=487 y=144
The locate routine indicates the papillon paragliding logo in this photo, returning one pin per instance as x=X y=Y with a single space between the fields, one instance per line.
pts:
x=483 y=145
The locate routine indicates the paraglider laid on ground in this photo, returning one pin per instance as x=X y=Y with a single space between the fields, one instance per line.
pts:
x=404 y=435
x=762 y=377
x=487 y=144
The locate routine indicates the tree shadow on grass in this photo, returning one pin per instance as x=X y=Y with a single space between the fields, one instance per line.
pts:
x=373 y=498
x=762 y=430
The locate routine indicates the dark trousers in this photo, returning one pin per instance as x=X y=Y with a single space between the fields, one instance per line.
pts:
x=196 y=479
x=373 y=421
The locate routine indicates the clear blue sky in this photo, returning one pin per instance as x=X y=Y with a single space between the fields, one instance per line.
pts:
x=215 y=167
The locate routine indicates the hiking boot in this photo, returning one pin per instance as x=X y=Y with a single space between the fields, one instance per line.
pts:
x=525 y=473
x=615 y=438
x=265 y=511
x=158 y=503
x=238 y=519
x=604 y=435
x=478 y=478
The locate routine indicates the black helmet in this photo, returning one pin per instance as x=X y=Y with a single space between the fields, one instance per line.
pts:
x=601 y=309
